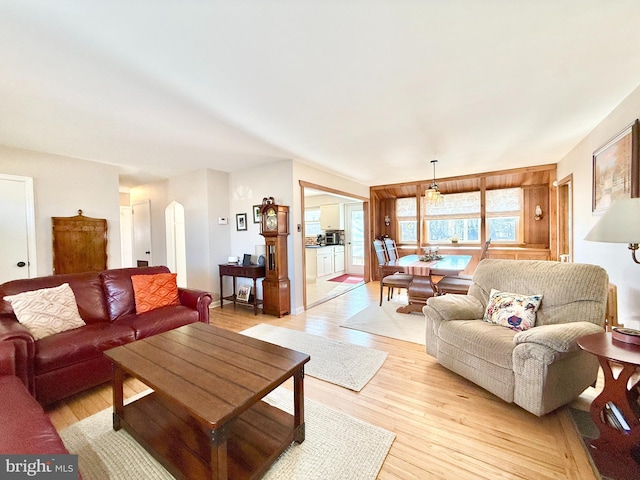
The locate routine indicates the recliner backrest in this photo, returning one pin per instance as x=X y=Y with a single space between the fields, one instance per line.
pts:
x=572 y=292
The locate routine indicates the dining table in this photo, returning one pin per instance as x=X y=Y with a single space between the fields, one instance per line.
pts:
x=422 y=286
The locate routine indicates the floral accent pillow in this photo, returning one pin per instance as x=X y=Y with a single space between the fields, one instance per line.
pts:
x=512 y=310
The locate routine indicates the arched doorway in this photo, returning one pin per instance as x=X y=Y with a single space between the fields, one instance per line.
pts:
x=176 y=241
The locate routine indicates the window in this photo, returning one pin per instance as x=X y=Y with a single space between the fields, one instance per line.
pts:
x=504 y=210
x=406 y=213
x=312 y=222
x=457 y=216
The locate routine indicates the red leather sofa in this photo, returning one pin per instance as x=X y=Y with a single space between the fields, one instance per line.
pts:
x=24 y=426
x=69 y=362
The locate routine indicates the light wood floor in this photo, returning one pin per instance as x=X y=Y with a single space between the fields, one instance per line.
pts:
x=445 y=426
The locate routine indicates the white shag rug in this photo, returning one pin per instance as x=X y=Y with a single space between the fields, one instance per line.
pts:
x=384 y=320
x=345 y=364
x=337 y=446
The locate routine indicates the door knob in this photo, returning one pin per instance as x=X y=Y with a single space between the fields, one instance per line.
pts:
x=21 y=264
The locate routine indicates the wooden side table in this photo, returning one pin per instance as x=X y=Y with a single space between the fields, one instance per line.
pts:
x=616 y=450
x=246 y=271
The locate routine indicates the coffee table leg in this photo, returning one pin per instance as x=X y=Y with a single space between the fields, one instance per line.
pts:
x=118 y=396
x=298 y=405
x=219 y=453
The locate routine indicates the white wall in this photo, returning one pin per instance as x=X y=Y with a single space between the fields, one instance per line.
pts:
x=615 y=258
x=219 y=235
x=62 y=186
x=191 y=190
x=204 y=195
x=248 y=188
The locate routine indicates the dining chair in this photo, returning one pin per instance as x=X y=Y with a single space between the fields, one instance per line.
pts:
x=391 y=248
x=460 y=283
x=395 y=280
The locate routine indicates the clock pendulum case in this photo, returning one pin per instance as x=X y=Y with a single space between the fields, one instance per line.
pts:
x=276 y=285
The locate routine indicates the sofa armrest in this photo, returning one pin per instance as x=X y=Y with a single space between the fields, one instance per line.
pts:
x=7 y=358
x=455 y=307
x=11 y=329
x=17 y=351
x=560 y=337
x=444 y=308
x=198 y=300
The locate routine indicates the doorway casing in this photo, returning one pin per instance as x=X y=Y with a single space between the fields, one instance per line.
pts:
x=331 y=191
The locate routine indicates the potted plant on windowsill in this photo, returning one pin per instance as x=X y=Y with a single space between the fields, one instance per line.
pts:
x=454 y=239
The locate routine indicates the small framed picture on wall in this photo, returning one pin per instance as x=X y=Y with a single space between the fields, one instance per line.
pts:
x=256 y=213
x=241 y=221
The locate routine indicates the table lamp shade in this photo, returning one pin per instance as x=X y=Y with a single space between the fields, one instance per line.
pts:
x=619 y=224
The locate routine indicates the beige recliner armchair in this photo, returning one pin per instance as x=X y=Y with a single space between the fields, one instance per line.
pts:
x=540 y=368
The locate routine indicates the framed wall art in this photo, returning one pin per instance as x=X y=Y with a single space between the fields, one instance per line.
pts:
x=256 y=213
x=241 y=221
x=616 y=171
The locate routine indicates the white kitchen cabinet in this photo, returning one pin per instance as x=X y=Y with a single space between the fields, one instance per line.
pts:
x=338 y=259
x=324 y=262
x=311 y=264
x=331 y=217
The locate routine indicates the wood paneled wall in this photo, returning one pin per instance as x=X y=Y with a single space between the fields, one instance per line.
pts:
x=539 y=236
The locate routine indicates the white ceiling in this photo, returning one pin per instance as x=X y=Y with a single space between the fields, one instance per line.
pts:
x=371 y=90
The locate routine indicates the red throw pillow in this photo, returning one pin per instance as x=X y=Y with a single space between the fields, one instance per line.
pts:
x=155 y=291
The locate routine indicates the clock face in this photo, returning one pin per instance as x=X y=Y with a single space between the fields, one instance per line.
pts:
x=272 y=220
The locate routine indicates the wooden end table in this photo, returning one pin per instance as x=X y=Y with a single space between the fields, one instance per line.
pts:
x=246 y=271
x=615 y=449
x=206 y=418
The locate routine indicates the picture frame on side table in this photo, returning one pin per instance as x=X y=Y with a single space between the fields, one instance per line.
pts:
x=241 y=221
x=616 y=172
x=257 y=216
x=244 y=293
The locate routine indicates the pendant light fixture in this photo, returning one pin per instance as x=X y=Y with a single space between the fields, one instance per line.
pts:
x=432 y=194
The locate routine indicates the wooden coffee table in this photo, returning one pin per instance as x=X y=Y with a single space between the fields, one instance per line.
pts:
x=205 y=418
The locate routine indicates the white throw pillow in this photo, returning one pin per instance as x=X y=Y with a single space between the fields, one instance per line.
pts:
x=512 y=310
x=47 y=311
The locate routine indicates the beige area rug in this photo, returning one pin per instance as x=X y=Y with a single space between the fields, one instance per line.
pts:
x=337 y=446
x=350 y=366
x=384 y=320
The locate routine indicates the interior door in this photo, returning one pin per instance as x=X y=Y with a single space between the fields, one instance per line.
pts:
x=17 y=228
x=565 y=219
x=142 y=234
x=354 y=239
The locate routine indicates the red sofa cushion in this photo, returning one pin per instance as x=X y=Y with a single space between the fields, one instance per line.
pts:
x=24 y=427
x=86 y=287
x=118 y=288
x=159 y=320
x=79 y=345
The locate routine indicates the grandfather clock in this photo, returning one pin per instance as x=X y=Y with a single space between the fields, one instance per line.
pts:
x=276 y=285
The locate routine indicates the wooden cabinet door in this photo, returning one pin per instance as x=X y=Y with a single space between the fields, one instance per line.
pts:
x=79 y=244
